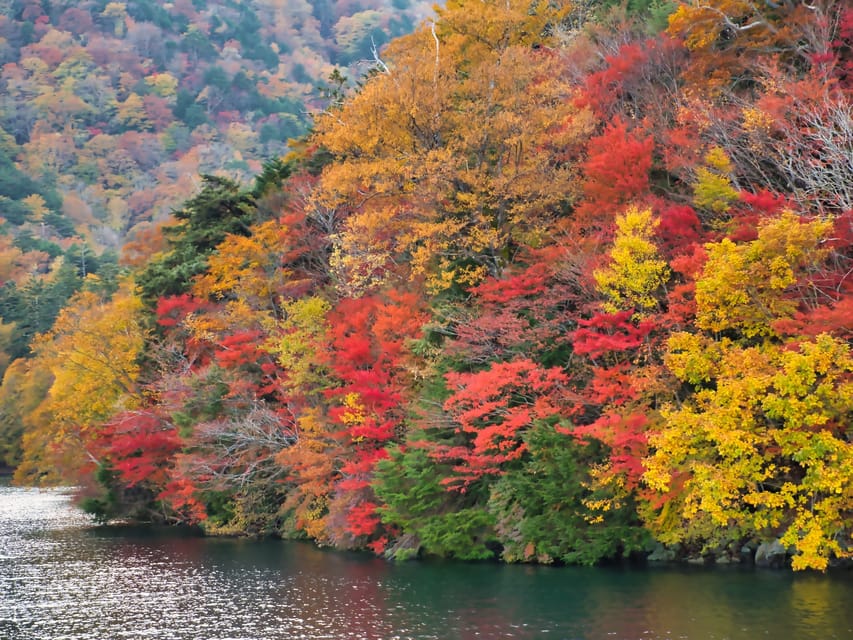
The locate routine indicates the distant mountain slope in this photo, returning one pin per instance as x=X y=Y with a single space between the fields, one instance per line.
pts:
x=119 y=106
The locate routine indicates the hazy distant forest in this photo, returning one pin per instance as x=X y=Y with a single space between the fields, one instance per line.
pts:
x=522 y=279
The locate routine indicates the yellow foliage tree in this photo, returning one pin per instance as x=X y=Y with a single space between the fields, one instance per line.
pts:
x=92 y=354
x=743 y=286
x=295 y=340
x=25 y=386
x=713 y=190
x=163 y=84
x=636 y=272
x=760 y=448
x=131 y=113
x=246 y=267
x=37 y=205
x=447 y=157
x=117 y=12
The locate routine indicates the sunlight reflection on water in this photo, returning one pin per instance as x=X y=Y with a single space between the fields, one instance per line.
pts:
x=63 y=579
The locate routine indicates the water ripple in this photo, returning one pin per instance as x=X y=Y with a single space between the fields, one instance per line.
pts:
x=63 y=579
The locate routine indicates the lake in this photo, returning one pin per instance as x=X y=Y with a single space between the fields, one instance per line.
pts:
x=63 y=578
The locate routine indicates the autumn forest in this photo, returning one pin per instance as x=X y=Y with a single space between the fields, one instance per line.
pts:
x=526 y=280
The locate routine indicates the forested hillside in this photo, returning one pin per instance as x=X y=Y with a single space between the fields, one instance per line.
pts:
x=553 y=283
x=110 y=112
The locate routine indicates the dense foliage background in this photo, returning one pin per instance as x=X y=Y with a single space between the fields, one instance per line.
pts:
x=554 y=283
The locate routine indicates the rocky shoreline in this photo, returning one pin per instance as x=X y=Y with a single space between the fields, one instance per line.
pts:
x=763 y=555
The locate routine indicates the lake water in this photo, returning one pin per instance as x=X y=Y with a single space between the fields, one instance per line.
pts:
x=62 y=578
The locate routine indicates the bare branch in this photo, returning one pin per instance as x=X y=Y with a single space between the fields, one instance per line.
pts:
x=376 y=57
x=241 y=450
x=435 y=71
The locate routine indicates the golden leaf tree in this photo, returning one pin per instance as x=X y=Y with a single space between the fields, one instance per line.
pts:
x=448 y=157
x=760 y=446
x=91 y=353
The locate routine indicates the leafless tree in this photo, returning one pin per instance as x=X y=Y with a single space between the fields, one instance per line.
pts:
x=240 y=450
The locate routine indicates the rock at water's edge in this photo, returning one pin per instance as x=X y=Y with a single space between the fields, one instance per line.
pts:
x=662 y=554
x=771 y=555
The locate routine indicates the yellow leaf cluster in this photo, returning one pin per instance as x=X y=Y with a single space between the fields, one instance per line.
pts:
x=91 y=353
x=636 y=271
x=742 y=285
x=762 y=447
x=163 y=84
x=607 y=492
x=354 y=413
x=756 y=121
x=693 y=358
x=246 y=267
x=713 y=189
x=295 y=339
